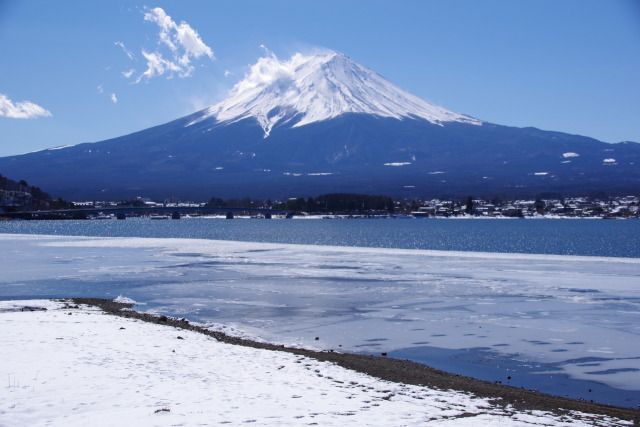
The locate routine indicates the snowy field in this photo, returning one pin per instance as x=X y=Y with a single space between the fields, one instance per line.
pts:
x=542 y=318
x=78 y=367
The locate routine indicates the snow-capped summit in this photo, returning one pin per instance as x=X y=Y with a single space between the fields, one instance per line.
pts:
x=311 y=88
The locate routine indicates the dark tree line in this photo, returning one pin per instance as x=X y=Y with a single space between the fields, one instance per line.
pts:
x=361 y=203
x=326 y=203
x=22 y=196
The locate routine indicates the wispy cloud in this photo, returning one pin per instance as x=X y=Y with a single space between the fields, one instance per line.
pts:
x=21 y=110
x=179 y=38
x=179 y=45
x=111 y=96
x=266 y=50
x=158 y=66
x=126 y=51
x=128 y=74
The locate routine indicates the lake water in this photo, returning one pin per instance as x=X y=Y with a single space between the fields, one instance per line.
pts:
x=589 y=237
x=545 y=304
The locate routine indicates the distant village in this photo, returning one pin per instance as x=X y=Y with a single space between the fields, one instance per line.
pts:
x=575 y=207
x=21 y=197
x=627 y=207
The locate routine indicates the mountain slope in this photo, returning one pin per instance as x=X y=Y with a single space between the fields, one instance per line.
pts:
x=321 y=124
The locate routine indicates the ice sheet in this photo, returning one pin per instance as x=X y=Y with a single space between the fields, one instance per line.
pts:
x=578 y=314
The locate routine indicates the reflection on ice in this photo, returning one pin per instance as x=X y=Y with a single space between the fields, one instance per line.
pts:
x=575 y=317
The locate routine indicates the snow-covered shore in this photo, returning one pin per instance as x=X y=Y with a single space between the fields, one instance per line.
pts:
x=76 y=366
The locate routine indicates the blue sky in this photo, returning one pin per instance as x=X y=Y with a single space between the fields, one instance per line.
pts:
x=79 y=71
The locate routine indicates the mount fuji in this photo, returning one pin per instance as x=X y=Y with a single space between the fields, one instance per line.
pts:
x=323 y=123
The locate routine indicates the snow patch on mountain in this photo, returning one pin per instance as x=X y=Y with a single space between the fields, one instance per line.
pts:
x=397 y=164
x=312 y=88
x=59 y=148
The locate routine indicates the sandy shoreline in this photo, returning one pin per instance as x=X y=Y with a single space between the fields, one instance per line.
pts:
x=395 y=370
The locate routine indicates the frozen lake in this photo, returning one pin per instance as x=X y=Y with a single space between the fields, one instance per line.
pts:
x=558 y=323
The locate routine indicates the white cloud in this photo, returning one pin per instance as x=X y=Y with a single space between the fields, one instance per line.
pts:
x=191 y=41
x=100 y=89
x=128 y=74
x=266 y=50
x=126 y=51
x=114 y=98
x=21 y=110
x=182 y=42
x=157 y=66
x=267 y=70
x=227 y=73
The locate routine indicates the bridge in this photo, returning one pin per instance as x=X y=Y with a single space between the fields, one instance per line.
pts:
x=121 y=212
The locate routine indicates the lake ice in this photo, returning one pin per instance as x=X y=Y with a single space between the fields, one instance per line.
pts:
x=553 y=317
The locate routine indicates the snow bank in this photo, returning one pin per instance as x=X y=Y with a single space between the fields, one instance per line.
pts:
x=68 y=366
